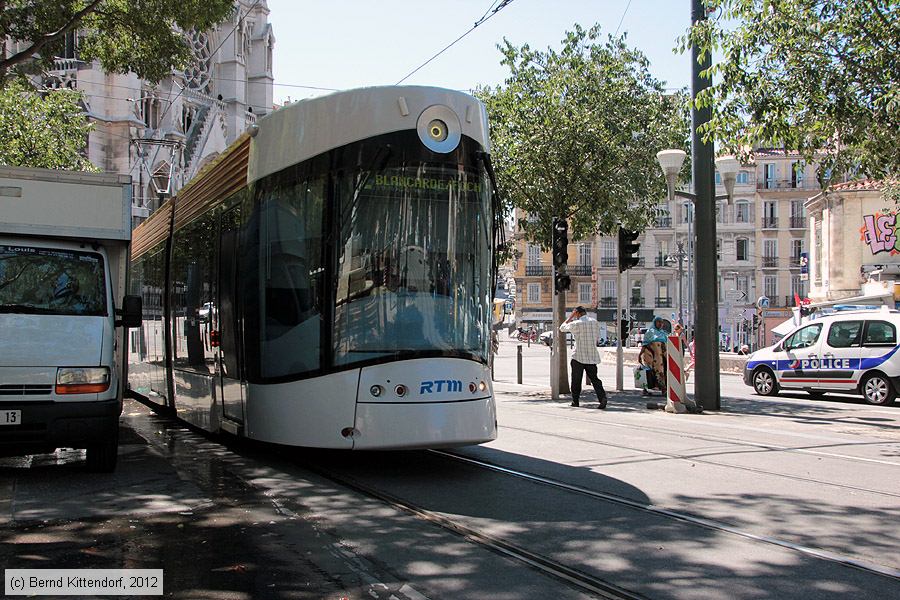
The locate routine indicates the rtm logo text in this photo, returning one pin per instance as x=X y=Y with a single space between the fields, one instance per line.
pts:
x=440 y=385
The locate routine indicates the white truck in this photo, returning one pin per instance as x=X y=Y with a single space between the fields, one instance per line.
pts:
x=64 y=257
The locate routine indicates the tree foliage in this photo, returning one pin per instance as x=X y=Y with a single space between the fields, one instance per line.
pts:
x=816 y=76
x=575 y=133
x=47 y=131
x=140 y=36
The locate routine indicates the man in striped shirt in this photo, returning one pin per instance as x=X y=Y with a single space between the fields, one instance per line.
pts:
x=586 y=332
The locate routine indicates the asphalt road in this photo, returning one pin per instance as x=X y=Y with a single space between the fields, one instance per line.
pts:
x=768 y=498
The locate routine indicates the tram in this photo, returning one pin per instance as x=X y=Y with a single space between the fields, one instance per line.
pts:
x=327 y=281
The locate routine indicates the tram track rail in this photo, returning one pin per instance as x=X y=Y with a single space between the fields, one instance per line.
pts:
x=700 y=459
x=826 y=555
x=723 y=440
x=545 y=565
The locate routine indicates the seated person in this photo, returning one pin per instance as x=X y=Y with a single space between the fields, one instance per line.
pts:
x=653 y=351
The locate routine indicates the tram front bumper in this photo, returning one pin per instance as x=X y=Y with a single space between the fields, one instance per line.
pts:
x=381 y=426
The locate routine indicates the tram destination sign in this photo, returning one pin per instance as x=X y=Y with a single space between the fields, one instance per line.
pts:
x=425 y=183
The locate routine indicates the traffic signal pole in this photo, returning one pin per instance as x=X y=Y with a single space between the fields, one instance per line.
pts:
x=559 y=241
x=627 y=253
x=620 y=315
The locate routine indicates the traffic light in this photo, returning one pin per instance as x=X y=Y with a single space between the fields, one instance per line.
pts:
x=623 y=334
x=627 y=249
x=560 y=242
x=562 y=283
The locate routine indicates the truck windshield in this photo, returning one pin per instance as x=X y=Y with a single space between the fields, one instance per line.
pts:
x=51 y=281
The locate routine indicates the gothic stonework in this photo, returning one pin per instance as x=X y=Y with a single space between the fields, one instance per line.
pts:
x=141 y=128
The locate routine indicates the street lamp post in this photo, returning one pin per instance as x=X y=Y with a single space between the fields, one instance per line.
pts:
x=706 y=384
x=671 y=260
x=706 y=295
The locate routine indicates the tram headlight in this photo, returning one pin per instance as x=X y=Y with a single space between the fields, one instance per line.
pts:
x=400 y=390
x=376 y=390
x=472 y=387
x=439 y=129
x=482 y=386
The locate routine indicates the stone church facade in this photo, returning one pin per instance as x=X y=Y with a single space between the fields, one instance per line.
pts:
x=163 y=134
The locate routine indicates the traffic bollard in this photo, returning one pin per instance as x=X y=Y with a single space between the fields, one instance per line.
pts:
x=519 y=364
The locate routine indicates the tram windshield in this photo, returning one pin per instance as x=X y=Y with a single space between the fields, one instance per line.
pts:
x=414 y=262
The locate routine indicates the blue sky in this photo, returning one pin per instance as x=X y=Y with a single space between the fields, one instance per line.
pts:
x=342 y=44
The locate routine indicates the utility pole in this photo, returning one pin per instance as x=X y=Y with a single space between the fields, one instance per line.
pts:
x=707 y=388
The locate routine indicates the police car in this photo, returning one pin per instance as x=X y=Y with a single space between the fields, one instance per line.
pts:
x=849 y=352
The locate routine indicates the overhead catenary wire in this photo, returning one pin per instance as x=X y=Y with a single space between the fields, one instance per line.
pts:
x=492 y=10
x=624 y=12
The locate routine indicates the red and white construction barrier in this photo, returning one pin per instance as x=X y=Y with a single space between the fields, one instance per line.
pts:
x=676 y=397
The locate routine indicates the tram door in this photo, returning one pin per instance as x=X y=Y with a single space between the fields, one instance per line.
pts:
x=230 y=330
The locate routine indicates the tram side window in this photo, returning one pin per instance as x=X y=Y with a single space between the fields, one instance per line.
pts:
x=880 y=333
x=193 y=288
x=138 y=349
x=291 y=276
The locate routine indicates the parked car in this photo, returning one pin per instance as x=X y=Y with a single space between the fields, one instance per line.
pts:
x=853 y=352
x=547 y=338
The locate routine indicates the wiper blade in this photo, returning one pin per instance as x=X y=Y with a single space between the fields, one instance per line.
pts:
x=24 y=309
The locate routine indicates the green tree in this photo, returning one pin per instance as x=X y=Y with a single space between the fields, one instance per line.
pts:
x=575 y=134
x=819 y=77
x=140 y=36
x=48 y=132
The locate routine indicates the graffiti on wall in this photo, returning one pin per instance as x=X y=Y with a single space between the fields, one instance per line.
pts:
x=879 y=231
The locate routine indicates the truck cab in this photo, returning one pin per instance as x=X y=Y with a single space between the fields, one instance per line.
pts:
x=64 y=248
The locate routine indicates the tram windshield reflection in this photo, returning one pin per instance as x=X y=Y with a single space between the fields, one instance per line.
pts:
x=413 y=263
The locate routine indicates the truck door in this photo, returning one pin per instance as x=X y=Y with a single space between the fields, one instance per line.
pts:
x=230 y=331
x=801 y=369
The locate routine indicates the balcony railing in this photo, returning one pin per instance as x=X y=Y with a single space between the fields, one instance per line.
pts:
x=537 y=271
x=607 y=302
x=663 y=221
x=769 y=262
x=795 y=261
x=641 y=261
x=660 y=261
x=798 y=222
x=769 y=222
x=580 y=270
x=634 y=301
x=786 y=184
x=664 y=302
x=609 y=261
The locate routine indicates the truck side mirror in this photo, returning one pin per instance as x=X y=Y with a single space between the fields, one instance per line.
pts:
x=131 y=312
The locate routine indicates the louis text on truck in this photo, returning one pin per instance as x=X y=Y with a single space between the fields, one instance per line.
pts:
x=64 y=257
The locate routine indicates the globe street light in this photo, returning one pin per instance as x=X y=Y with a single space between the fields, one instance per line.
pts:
x=671 y=162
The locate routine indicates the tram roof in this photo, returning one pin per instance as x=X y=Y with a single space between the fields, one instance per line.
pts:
x=311 y=127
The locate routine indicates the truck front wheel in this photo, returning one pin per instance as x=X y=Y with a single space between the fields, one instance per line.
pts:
x=102 y=457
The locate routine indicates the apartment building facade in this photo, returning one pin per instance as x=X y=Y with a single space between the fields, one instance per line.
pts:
x=761 y=238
